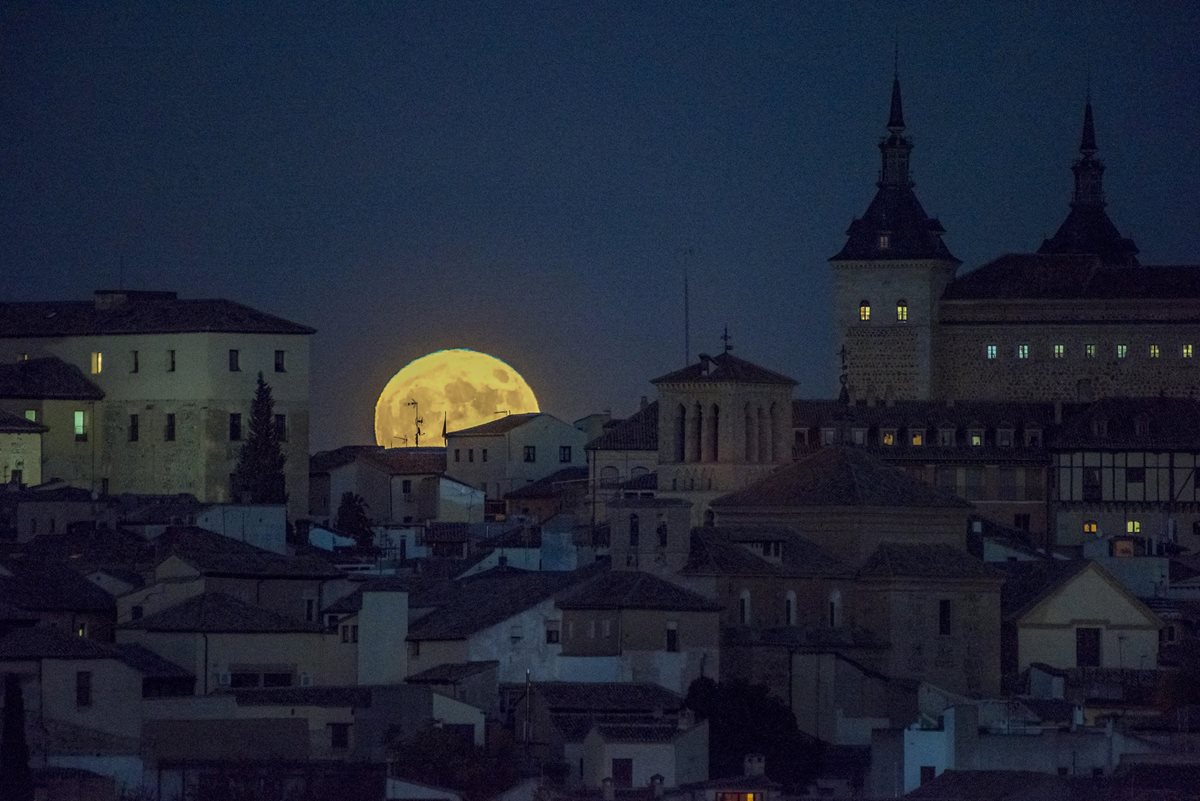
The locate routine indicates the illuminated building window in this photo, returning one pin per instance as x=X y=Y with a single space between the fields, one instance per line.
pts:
x=31 y=415
x=917 y=437
x=281 y=361
x=976 y=439
x=888 y=437
x=992 y=351
x=1089 y=351
x=1122 y=351
x=1154 y=352
x=134 y=363
x=97 y=362
x=864 y=311
x=1133 y=526
x=1059 y=351
x=235 y=361
x=1091 y=527
x=902 y=311
x=1187 y=351
x=81 y=432
x=1022 y=351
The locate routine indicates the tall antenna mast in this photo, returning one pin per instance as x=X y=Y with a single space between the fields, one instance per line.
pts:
x=417 y=420
x=687 y=323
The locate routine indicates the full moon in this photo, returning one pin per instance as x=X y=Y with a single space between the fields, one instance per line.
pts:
x=463 y=387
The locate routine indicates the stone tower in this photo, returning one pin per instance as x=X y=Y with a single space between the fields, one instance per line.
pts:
x=887 y=281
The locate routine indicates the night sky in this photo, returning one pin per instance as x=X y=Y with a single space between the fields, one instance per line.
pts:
x=524 y=179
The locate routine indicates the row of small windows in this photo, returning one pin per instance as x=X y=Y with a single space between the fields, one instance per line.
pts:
x=946 y=437
x=528 y=454
x=134 y=430
x=864 y=311
x=1059 y=351
x=135 y=361
x=1093 y=528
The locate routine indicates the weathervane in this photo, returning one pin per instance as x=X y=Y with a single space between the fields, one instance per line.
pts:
x=417 y=419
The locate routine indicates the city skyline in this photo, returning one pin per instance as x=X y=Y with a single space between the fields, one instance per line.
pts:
x=526 y=181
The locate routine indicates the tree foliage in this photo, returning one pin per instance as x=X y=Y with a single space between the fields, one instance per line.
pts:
x=352 y=519
x=744 y=719
x=16 y=779
x=258 y=476
x=446 y=758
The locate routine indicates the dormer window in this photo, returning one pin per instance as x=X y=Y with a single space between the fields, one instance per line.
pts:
x=916 y=437
x=885 y=241
x=1141 y=425
x=902 y=311
x=864 y=311
x=888 y=437
x=860 y=436
x=1033 y=438
x=1091 y=527
x=1004 y=437
x=1100 y=427
x=946 y=437
x=976 y=436
x=828 y=436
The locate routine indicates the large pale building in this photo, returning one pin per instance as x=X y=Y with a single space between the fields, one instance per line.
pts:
x=175 y=381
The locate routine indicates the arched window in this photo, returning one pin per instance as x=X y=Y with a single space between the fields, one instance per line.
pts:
x=638 y=471
x=633 y=530
x=902 y=311
x=789 y=609
x=744 y=608
x=609 y=476
x=864 y=310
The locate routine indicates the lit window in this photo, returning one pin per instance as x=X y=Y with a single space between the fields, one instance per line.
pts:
x=918 y=438
x=80 y=425
x=1022 y=351
x=1089 y=351
x=885 y=241
x=1122 y=351
x=1059 y=351
x=889 y=438
x=1091 y=527
x=992 y=351
x=31 y=414
x=1187 y=351
x=864 y=311
x=97 y=362
x=902 y=311
x=1154 y=352
x=976 y=439
x=1133 y=526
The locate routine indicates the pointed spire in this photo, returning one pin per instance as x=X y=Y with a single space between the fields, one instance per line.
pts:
x=896 y=117
x=1087 y=143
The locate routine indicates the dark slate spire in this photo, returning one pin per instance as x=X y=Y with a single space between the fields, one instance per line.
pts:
x=895 y=226
x=1087 y=228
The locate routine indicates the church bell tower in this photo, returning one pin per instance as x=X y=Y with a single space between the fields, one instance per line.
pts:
x=888 y=279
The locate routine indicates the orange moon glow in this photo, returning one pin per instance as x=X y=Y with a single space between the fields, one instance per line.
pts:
x=465 y=386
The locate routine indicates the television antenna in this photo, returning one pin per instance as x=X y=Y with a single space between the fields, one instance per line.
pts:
x=416 y=419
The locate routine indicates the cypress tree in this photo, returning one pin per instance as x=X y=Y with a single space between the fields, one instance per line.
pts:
x=16 y=779
x=258 y=477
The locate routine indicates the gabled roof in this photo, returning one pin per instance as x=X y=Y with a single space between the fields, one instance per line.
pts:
x=43 y=586
x=497 y=427
x=1037 y=276
x=1028 y=583
x=638 y=432
x=217 y=613
x=452 y=672
x=47 y=378
x=628 y=589
x=601 y=697
x=926 y=561
x=141 y=313
x=215 y=555
x=491 y=597
x=43 y=642
x=551 y=486
x=15 y=424
x=724 y=368
x=840 y=477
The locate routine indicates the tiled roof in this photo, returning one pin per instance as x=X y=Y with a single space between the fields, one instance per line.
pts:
x=628 y=589
x=721 y=369
x=42 y=642
x=632 y=733
x=447 y=532
x=924 y=560
x=15 y=424
x=394 y=461
x=228 y=740
x=1032 y=276
x=324 y=461
x=48 y=377
x=839 y=477
x=551 y=486
x=452 y=672
x=215 y=555
x=912 y=234
x=929 y=415
x=215 y=613
x=148 y=663
x=43 y=586
x=1027 y=583
x=354 y=696
x=610 y=697
x=1133 y=424
x=143 y=313
x=522 y=536
x=719 y=551
x=711 y=554
x=496 y=427
x=638 y=432
x=485 y=599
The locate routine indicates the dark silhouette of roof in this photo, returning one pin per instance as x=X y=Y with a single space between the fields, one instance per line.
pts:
x=395 y=461
x=839 y=477
x=551 y=486
x=610 y=697
x=355 y=696
x=216 y=613
x=45 y=378
x=924 y=560
x=452 y=672
x=42 y=642
x=215 y=555
x=1133 y=424
x=39 y=585
x=719 y=551
x=1028 y=583
x=638 y=432
x=497 y=427
x=141 y=313
x=1072 y=276
x=227 y=740
x=724 y=368
x=637 y=733
x=15 y=424
x=629 y=589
